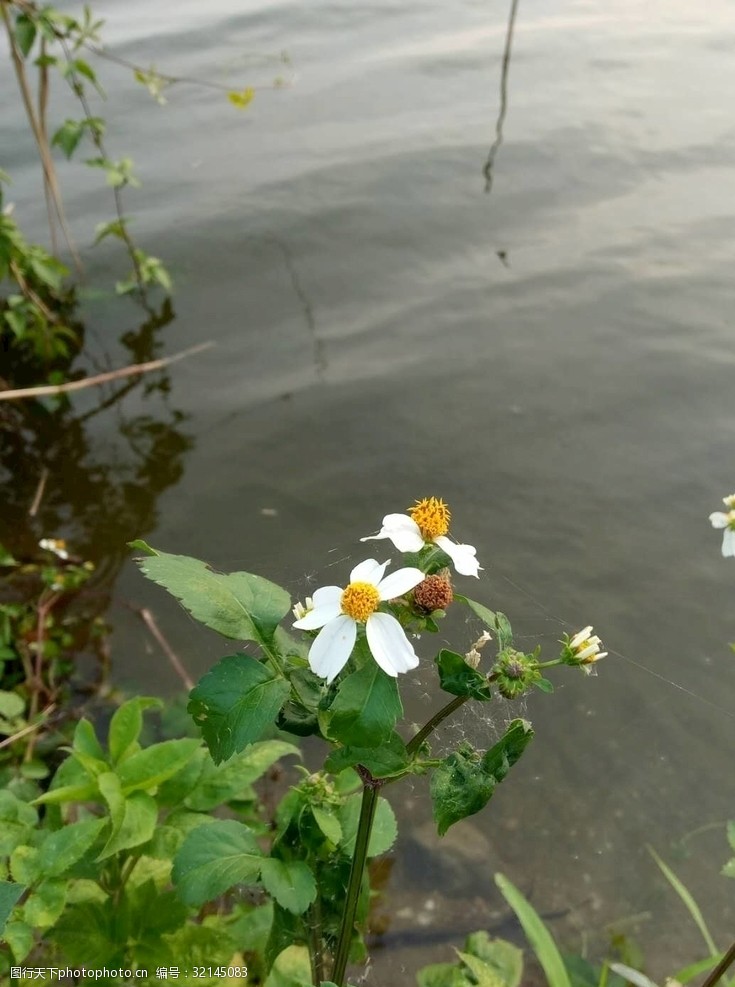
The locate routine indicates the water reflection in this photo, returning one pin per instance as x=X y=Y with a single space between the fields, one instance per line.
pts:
x=63 y=475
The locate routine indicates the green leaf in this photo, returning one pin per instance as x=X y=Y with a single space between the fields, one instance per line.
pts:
x=460 y=679
x=385 y=827
x=142 y=546
x=292 y=968
x=505 y=958
x=64 y=847
x=365 y=708
x=465 y=781
x=19 y=936
x=17 y=822
x=239 y=605
x=147 y=768
x=214 y=858
x=482 y=974
x=235 y=703
x=220 y=783
x=693 y=970
x=133 y=818
x=442 y=975
x=45 y=905
x=86 y=934
x=126 y=724
x=68 y=135
x=689 y=903
x=86 y=742
x=328 y=823
x=9 y=895
x=537 y=934
x=387 y=761
x=11 y=705
x=290 y=882
x=25 y=34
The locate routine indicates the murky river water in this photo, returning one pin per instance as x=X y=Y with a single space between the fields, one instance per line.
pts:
x=554 y=358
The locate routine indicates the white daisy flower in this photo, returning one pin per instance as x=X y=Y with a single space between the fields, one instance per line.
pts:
x=426 y=522
x=726 y=521
x=339 y=611
x=584 y=648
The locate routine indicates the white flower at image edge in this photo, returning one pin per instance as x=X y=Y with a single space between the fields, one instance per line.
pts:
x=427 y=522
x=338 y=611
x=727 y=521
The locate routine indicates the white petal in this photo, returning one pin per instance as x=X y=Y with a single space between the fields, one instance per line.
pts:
x=463 y=556
x=389 y=645
x=331 y=650
x=580 y=636
x=718 y=519
x=402 y=531
x=728 y=542
x=369 y=571
x=319 y=616
x=327 y=594
x=399 y=582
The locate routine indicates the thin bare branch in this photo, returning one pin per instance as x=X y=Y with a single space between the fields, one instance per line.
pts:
x=47 y=390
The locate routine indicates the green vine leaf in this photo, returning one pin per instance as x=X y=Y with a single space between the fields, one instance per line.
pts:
x=290 y=882
x=365 y=709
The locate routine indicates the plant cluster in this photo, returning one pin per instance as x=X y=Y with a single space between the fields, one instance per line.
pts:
x=140 y=820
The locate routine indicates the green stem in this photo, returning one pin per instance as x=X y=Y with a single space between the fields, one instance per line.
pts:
x=431 y=725
x=549 y=664
x=370 y=791
x=316 y=942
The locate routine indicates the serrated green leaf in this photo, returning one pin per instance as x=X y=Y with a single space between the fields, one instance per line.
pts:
x=24 y=864
x=465 y=781
x=384 y=831
x=290 y=882
x=214 y=858
x=11 y=705
x=68 y=135
x=537 y=934
x=17 y=822
x=239 y=605
x=9 y=895
x=460 y=679
x=147 y=768
x=365 y=708
x=235 y=703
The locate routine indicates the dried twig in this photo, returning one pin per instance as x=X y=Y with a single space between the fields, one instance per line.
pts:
x=150 y=622
x=47 y=390
x=32 y=726
x=33 y=509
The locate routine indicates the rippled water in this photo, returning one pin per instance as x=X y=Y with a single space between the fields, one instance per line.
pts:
x=555 y=358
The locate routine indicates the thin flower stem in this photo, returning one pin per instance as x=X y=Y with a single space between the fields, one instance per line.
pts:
x=431 y=725
x=549 y=664
x=370 y=791
x=725 y=963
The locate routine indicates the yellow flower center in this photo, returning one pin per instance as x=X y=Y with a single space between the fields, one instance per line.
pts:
x=432 y=516
x=359 y=600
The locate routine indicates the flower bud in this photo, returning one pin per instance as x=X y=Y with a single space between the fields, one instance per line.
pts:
x=434 y=593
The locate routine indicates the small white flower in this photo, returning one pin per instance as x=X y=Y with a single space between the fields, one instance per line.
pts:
x=338 y=611
x=426 y=522
x=55 y=545
x=726 y=521
x=300 y=610
x=585 y=647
